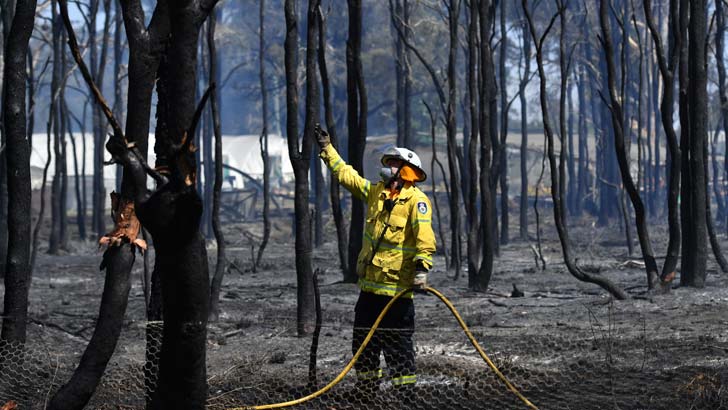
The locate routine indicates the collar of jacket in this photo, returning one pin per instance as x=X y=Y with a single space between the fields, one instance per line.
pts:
x=404 y=194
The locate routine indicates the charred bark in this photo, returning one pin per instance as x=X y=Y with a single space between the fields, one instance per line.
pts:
x=720 y=22
x=263 y=136
x=693 y=267
x=17 y=268
x=570 y=164
x=448 y=107
x=118 y=260
x=172 y=213
x=357 y=128
x=403 y=77
x=582 y=187
x=523 y=209
x=502 y=163
x=604 y=283
x=221 y=262
x=118 y=60
x=301 y=155
x=441 y=233
x=341 y=239
x=57 y=86
x=451 y=125
x=487 y=99
x=667 y=65
x=618 y=119
x=76 y=177
x=471 y=208
x=714 y=244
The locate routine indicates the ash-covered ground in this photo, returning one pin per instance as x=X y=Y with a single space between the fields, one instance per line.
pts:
x=564 y=344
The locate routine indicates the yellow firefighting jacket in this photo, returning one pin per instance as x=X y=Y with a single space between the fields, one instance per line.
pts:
x=408 y=237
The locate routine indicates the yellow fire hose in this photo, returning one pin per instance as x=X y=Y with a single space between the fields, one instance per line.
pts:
x=353 y=360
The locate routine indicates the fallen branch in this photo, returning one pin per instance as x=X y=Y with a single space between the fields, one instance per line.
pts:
x=74 y=335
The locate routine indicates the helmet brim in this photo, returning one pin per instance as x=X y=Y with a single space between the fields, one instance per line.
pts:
x=421 y=172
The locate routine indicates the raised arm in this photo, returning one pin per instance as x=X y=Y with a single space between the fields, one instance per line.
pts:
x=347 y=176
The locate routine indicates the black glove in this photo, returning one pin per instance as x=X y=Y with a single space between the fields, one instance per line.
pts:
x=322 y=137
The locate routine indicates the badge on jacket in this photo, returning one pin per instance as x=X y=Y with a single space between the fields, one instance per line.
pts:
x=422 y=207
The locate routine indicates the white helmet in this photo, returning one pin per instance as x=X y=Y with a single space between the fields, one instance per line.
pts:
x=406 y=155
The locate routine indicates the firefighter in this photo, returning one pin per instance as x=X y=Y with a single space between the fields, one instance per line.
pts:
x=396 y=254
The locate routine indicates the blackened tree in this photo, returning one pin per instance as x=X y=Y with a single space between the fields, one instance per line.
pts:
x=667 y=61
x=356 y=119
x=145 y=46
x=694 y=250
x=448 y=99
x=618 y=119
x=214 y=67
x=341 y=239
x=472 y=94
x=301 y=154
x=264 y=136
x=17 y=273
x=526 y=51
x=556 y=180
x=487 y=98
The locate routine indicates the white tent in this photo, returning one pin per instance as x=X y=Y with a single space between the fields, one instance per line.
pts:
x=239 y=151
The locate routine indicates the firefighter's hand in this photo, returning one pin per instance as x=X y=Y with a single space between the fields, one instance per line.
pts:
x=322 y=137
x=420 y=281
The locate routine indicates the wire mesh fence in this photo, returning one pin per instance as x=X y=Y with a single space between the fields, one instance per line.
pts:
x=611 y=362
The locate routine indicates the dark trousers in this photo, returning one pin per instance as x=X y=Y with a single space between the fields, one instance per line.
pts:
x=393 y=337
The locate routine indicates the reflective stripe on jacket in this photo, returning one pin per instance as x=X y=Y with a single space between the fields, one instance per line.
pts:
x=408 y=237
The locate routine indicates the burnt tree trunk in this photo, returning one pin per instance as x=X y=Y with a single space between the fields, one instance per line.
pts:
x=720 y=22
x=357 y=128
x=504 y=106
x=435 y=202
x=451 y=125
x=208 y=168
x=487 y=97
x=77 y=175
x=570 y=164
x=7 y=11
x=54 y=239
x=263 y=135
x=618 y=119
x=145 y=50
x=472 y=92
x=301 y=154
x=319 y=200
x=98 y=221
x=17 y=271
x=651 y=127
x=172 y=215
x=714 y=244
x=555 y=180
x=341 y=239
x=118 y=81
x=667 y=65
x=221 y=263
x=63 y=197
x=582 y=186
x=403 y=77
x=693 y=267
x=448 y=107
x=657 y=167
x=523 y=209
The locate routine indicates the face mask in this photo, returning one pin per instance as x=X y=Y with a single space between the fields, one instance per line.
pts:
x=386 y=174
